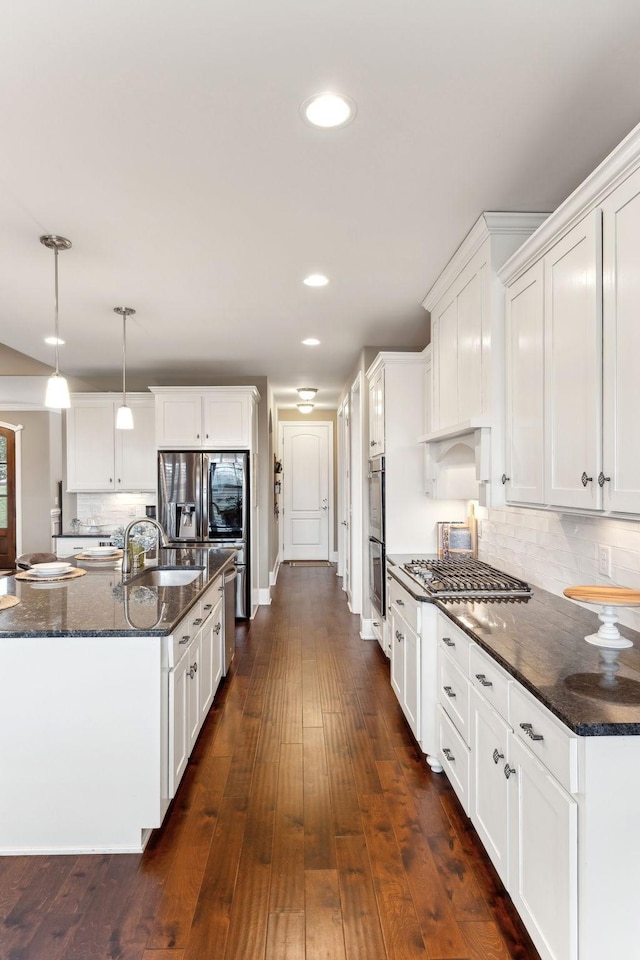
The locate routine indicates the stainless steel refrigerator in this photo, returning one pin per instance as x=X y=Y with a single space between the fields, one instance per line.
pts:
x=203 y=498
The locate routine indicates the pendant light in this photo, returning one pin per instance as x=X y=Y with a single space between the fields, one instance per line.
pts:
x=124 y=416
x=305 y=407
x=57 y=395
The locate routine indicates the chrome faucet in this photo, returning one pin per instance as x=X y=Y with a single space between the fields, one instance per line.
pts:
x=163 y=540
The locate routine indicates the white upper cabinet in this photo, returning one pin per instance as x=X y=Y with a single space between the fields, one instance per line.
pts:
x=620 y=479
x=101 y=458
x=376 y=413
x=573 y=364
x=524 y=316
x=214 y=418
x=589 y=251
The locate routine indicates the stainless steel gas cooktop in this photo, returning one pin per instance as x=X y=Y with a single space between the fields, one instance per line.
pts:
x=465 y=577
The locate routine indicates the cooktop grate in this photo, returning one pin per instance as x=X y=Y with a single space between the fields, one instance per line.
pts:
x=465 y=577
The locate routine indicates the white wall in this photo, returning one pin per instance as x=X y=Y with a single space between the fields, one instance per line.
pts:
x=554 y=550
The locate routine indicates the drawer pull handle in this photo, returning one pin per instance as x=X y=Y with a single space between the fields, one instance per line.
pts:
x=508 y=770
x=528 y=729
x=186 y=638
x=497 y=756
x=483 y=680
x=448 y=642
x=197 y=621
x=450 y=757
x=399 y=636
x=208 y=606
x=449 y=692
x=400 y=602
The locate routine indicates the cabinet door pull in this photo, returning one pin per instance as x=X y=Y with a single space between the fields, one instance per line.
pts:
x=399 y=636
x=448 y=642
x=497 y=756
x=449 y=692
x=585 y=479
x=372 y=443
x=186 y=638
x=483 y=680
x=450 y=757
x=376 y=623
x=504 y=479
x=508 y=770
x=602 y=479
x=528 y=729
x=218 y=627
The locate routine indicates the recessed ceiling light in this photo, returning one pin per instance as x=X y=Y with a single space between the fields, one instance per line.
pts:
x=307 y=393
x=316 y=280
x=53 y=340
x=311 y=342
x=328 y=110
x=304 y=407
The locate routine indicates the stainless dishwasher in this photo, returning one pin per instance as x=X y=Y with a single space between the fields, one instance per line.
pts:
x=229 y=618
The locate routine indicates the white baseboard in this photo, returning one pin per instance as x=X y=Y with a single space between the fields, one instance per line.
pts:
x=264 y=596
x=366 y=629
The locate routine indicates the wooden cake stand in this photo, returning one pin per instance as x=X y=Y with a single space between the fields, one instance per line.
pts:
x=608 y=638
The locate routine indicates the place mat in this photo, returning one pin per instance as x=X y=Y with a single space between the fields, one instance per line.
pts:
x=116 y=555
x=8 y=601
x=34 y=578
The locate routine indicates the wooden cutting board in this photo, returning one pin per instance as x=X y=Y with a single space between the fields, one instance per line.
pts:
x=612 y=596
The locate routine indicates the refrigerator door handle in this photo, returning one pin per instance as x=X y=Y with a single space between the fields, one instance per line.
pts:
x=203 y=492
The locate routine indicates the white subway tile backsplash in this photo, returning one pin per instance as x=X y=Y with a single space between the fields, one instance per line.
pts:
x=553 y=550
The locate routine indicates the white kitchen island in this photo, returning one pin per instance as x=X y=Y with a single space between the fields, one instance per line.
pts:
x=103 y=691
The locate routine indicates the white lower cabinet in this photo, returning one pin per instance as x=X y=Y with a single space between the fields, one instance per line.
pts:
x=193 y=681
x=543 y=855
x=413 y=643
x=514 y=769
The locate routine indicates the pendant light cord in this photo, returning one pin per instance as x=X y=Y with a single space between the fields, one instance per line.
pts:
x=124 y=359
x=55 y=270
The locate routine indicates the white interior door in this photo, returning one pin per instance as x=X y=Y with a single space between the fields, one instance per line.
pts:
x=307 y=503
x=344 y=512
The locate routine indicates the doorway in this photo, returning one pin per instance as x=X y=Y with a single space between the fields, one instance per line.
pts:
x=7 y=497
x=307 y=485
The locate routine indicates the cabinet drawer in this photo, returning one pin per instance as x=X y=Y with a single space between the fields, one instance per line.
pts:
x=210 y=599
x=184 y=633
x=455 y=757
x=549 y=741
x=492 y=681
x=404 y=604
x=454 y=642
x=453 y=693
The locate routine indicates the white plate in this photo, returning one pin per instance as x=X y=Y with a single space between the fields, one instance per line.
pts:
x=51 y=569
x=100 y=551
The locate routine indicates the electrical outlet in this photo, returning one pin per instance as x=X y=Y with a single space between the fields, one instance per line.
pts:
x=604 y=561
x=132 y=510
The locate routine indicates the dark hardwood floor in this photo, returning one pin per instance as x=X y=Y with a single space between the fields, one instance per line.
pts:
x=307 y=826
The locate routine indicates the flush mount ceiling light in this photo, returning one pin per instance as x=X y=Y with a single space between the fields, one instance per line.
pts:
x=316 y=280
x=306 y=393
x=311 y=342
x=328 y=110
x=57 y=395
x=124 y=416
x=305 y=407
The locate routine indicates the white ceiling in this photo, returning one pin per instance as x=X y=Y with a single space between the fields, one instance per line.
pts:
x=164 y=139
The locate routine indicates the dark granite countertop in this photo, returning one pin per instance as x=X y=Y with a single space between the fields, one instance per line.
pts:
x=540 y=642
x=99 y=604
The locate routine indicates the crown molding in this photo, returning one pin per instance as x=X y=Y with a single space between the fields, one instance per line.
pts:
x=385 y=357
x=614 y=169
x=489 y=224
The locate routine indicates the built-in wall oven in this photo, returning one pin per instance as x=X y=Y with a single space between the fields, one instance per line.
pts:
x=376 y=535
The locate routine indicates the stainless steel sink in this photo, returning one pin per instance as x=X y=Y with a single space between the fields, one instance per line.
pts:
x=166 y=576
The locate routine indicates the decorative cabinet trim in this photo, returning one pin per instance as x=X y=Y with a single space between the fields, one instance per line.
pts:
x=487 y=225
